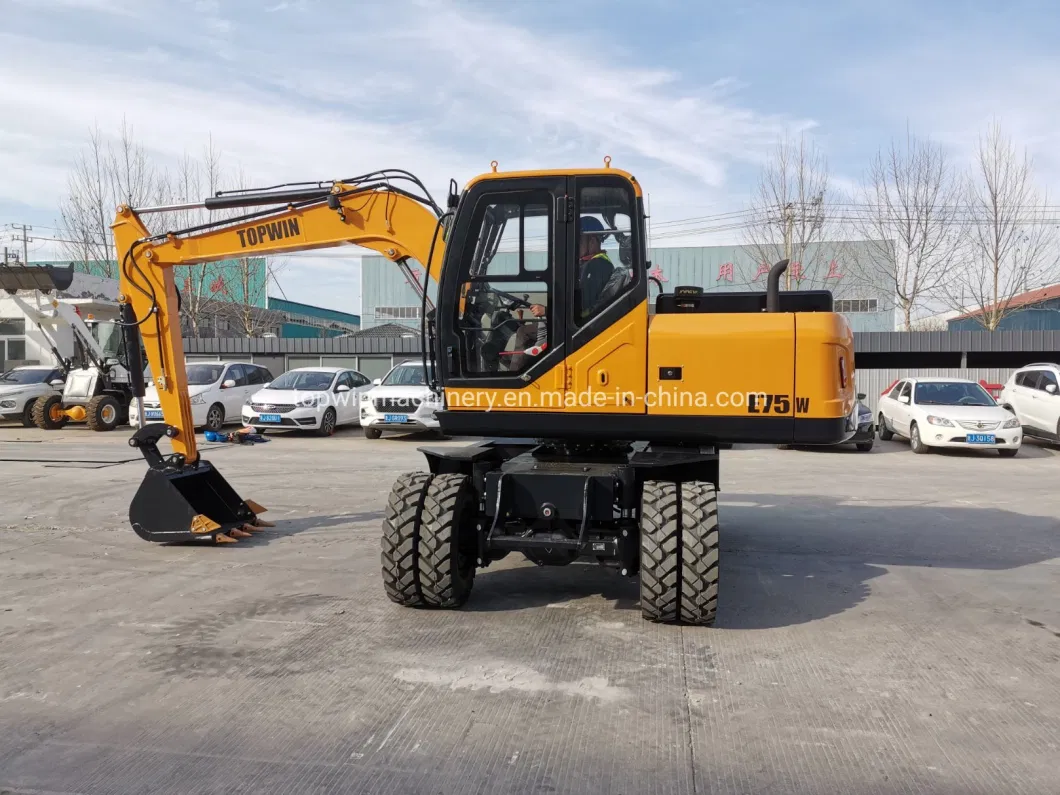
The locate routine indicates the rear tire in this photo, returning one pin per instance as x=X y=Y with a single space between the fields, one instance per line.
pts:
x=372 y=433
x=400 y=546
x=447 y=541
x=44 y=416
x=103 y=413
x=660 y=539
x=886 y=434
x=1007 y=453
x=699 y=553
x=864 y=446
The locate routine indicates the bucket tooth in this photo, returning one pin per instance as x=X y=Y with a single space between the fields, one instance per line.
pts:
x=221 y=538
x=260 y=524
x=255 y=507
x=235 y=532
x=251 y=528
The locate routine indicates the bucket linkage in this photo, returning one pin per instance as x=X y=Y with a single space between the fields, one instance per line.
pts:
x=180 y=502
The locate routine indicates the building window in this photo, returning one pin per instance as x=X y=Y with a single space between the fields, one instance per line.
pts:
x=16 y=350
x=397 y=313
x=11 y=326
x=854 y=305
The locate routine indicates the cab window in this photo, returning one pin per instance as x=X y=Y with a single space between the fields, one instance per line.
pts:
x=605 y=268
x=505 y=302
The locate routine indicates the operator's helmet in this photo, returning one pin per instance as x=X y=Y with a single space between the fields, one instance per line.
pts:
x=590 y=225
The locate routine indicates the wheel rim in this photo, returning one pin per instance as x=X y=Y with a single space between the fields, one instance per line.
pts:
x=328 y=423
x=55 y=412
x=109 y=415
x=916 y=436
x=213 y=419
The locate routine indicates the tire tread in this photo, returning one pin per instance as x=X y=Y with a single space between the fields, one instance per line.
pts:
x=401 y=539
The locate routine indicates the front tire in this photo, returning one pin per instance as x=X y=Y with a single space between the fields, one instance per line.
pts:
x=372 y=433
x=27 y=413
x=400 y=545
x=47 y=413
x=700 y=553
x=327 y=423
x=215 y=418
x=103 y=413
x=1008 y=452
x=447 y=542
x=864 y=447
x=660 y=539
x=915 y=442
x=886 y=434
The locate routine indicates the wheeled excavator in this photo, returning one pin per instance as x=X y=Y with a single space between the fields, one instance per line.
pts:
x=599 y=414
x=97 y=382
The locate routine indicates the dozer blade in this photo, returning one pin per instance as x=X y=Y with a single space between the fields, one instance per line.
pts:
x=180 y=502
x=35 y=277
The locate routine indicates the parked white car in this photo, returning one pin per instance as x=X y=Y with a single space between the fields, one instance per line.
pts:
x=401 y=401
x=218 y=391
x=21 y=386
x=947 y=412
x=309 y=398
x=1032 y=393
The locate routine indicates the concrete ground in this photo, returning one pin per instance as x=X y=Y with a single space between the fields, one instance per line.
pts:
x=889 y=623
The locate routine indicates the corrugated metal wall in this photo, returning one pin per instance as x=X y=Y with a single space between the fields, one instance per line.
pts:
x=711 y=267
x=874 y=382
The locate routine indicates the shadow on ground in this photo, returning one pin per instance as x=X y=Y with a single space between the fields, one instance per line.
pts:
x=788 y=560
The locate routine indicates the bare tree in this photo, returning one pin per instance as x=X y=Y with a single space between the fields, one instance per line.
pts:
x=790 y=208
x=909 y=207
x=1011 y=244
x=106 y=174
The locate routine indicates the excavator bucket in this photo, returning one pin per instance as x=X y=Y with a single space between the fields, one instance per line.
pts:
x=45 y=278
x=180 y=502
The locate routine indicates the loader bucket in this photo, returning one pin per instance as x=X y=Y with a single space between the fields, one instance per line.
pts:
x=35 y=277
x=179 y=502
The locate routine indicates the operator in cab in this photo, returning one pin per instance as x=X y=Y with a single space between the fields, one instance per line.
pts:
x=594 y=268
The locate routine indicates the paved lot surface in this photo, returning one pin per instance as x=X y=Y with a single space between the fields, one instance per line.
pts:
x=889 y=623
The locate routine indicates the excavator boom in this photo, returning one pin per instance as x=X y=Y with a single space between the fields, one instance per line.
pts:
x=183 y=497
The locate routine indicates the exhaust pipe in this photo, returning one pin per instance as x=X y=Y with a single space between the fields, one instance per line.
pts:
x=773 y=286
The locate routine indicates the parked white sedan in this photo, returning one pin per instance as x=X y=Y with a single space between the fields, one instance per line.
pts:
x=311 y=398
x=947 y=412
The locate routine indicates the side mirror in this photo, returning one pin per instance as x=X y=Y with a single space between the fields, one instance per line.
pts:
x=1050 y=388
x=861 y=395
x=903 y=399
x=342 y=388
x=228 y=384
x=57 y=382
x=377 y=381
x=266 y=385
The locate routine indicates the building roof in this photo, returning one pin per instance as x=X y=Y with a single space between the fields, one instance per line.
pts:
x=1028 y=298
x=387 y=330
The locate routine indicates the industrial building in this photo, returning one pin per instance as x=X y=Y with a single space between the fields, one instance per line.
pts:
x=387 y=297
x=95 y=292
x=1035 y=310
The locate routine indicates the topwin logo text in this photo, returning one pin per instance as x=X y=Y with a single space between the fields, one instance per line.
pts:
x=268 y=233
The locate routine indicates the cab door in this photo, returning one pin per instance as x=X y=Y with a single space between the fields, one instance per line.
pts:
x=503 y=297
x=607 y=317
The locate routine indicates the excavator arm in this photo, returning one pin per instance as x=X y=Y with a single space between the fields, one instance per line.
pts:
x=369 y=213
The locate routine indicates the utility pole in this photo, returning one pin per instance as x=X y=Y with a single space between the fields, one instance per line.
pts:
x=25 y=230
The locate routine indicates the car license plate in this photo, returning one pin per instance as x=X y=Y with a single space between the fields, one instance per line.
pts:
x=153 y=414
x=981 y=438
x=395 y=418
x=270 y=418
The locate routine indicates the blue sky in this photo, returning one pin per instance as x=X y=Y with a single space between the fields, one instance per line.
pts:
x=689 y=96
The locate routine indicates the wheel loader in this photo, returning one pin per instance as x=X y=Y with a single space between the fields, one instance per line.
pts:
x=598 y=413
x=97 y=388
